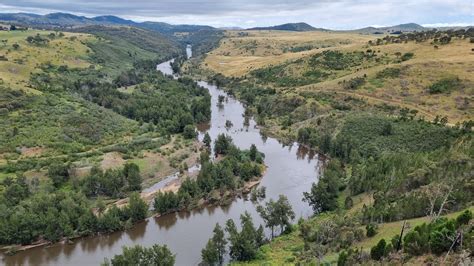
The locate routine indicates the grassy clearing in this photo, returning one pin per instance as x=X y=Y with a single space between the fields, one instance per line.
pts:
x=388 y=230
x=69 y=50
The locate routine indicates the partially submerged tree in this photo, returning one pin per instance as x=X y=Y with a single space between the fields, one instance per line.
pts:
x=137 y=255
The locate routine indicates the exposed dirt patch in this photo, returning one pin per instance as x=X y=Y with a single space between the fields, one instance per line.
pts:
x=32 y=152
x=81 y=171
x=173 y=186
x=112 y=160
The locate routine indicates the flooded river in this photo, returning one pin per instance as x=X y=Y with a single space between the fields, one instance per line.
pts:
x=290 y=171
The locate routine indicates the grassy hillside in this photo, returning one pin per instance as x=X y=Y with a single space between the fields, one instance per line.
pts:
x=243 y=51
x=18 y=62
x=285 y=249
x=147 y=40
x=87 y=121
x=345 y=64
x=65 y=97
x=118 y=48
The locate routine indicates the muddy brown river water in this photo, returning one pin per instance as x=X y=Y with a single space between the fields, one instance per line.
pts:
x=290 y=171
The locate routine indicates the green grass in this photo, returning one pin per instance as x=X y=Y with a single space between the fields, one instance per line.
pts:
x=388 y=230
x=63 y=124
x=376 y=82
x=278 y=251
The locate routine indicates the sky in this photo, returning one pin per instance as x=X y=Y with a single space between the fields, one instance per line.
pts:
x=335 y=14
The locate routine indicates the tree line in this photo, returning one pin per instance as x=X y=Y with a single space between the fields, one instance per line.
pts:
x=227 y=174
x=59 y=209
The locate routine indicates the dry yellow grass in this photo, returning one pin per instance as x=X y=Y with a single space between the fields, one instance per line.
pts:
x=410 y=90
x=27 y=58
x=237 y=55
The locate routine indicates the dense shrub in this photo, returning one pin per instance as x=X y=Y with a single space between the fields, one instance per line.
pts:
x=407 y=56
x=445 y=85
x=389 y=72
x=371 y=230
x=354 y=83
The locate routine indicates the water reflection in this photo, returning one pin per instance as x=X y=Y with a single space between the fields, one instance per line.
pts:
x=291 y=169
x=137 y=232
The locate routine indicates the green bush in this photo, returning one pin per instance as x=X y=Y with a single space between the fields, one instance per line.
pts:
x=389 y=72
x=354 y=83
x=445 y=85
x=371 y=230
x=407 y=56
x=378 y=251
x=464 y=218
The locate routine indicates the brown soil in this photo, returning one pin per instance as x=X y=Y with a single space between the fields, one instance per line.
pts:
x=32 y=152
x=112 y=160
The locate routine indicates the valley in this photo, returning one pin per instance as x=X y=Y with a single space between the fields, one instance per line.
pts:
x=328 y=146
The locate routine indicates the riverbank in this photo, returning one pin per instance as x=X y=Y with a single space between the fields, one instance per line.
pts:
x=217 y=197
x=186 y=232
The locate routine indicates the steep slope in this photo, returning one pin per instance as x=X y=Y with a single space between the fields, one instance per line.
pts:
x=147 y=40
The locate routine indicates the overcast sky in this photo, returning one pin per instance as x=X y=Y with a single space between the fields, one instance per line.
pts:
x=336 y=14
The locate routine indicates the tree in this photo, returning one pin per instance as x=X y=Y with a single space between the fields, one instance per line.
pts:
x=371 y=230
x=165 y=202
x=464 y=218
x=16 y=46
x=15 y=190
x=59 y=173
x=220 y=100
x=210 y=254
x=137 y=209
x=189 y=132
x=277 y=213
x=220 y=242
x=88 y=223
x=244 y=244
x=253 y=152
x=387 y=129
x=378 y=251
x=207 y=140
x=131 y=172
x=442 y=238
x=323 y=195
x=223 y=144
x=156 y=255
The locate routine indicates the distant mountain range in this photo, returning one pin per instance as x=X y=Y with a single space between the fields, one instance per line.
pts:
x=409 y=27
x=301 y=26
x=202 y=38
x=66 y=20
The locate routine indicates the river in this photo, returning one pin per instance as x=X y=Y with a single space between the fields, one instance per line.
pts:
x=290 y=171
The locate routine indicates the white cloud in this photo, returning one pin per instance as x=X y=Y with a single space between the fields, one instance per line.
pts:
x=336 y=14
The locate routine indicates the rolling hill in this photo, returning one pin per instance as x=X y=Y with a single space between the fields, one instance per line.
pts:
x=202 y=38
x=408 y=27
x=301 y=26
